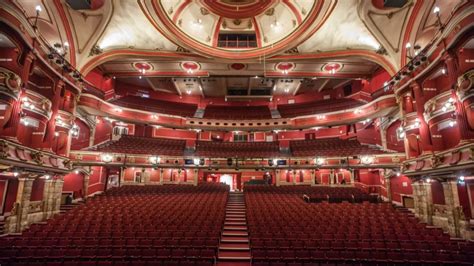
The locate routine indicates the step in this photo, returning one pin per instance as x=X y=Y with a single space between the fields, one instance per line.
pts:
x=234 y=223
x=235 y=216
x=234 y=255
x=234 y=239
x=235 y=233
x=234 y=246
x=235 y=228
x=235 y=212
x=235 y=219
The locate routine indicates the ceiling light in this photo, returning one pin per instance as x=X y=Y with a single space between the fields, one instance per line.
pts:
x=462 y=178
x=436 y=10
x=38 y=9
x=408 y=45
x=66 y=44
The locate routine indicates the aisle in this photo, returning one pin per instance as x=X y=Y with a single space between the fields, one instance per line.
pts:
x=234 y=246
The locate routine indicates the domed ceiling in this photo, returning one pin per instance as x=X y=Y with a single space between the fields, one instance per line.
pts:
x=239 y=29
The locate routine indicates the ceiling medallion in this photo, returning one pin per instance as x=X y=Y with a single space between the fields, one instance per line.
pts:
x=285 y=66
x=237 y=66
x=190 y=66
x=332 y=67
x=142 y=66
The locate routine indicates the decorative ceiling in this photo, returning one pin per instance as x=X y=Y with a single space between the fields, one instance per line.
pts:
x=234 y=37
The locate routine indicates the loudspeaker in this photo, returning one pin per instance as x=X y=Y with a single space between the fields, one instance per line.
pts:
x=229 y=161
x=201 y=161
x=270 y=162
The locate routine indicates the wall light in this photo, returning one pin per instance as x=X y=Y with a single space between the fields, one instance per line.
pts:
x=319 y=161
x=367 y=159
x=106 y=157
x=154 y=159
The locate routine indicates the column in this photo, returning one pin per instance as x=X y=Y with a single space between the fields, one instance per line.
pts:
x=277 y=177
x=122 y=176
x=85 y=186
x=454 y=209
x=49 y=137
x=352 y=176
x=10 y=129
x=196 y=177
x=388 y=185
x=58 y=190
x=18 y=221
x=331 y=177
x=383 y=136
x=293 y=176
x=313 y=177
x=423 y=130
x=423 y=201
x=92 y=135
x=47 y=199
x=161 y=176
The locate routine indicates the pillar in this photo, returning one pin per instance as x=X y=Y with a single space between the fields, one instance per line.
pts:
x=92 y=135
x=453 y=208
x=277 y=177
x=313 y=177
x=293 y=176
x=48 y=198
x=351 y=171
x=22 y=204
x=85 y=186
x=423 y=201
x=196 y=177
x=331 y=177
x=161 y=176
x=10 y=129
x=49 y=137
x=383 y=136
x=388 y=184
x=424 y=131
x=122 y=175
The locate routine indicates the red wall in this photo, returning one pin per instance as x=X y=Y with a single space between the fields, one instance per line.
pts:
x=437 y=192
x=73 y=183
x=11 y=194
x=81 y=141
x=103 y=131
x=97 y=180
x=398 y=189
x=37 y=189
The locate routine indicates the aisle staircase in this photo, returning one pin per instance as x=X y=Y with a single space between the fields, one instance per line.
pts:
x=234 y=246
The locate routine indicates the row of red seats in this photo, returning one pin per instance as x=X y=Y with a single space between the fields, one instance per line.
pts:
x=118 y=262
x=278 y=218
x=331 y=147
x=317 y=107
x=237 y=149
x=122 y=241
x=157 y=106
x=143 y=145
x=237 y=112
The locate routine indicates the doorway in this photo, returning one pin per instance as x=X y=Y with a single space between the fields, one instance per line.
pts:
x=228 y=180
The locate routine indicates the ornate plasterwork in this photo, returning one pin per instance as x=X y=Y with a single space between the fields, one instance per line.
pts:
x=10 y=83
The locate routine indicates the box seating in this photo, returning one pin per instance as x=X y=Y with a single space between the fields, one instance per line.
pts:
x=317 y=107
x=143 y=145
x=156 y=106
x=284 y=229
x=331 y=147
x=237 y=149
x=154 y=224
x=237 y=112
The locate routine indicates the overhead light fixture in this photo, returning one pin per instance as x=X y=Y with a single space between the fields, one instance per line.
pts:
x=38 y=9
x=367 y=159
x=107 y=158
x=436 y=10
x=154 y=159
x=319 y=161
x=408 y=45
